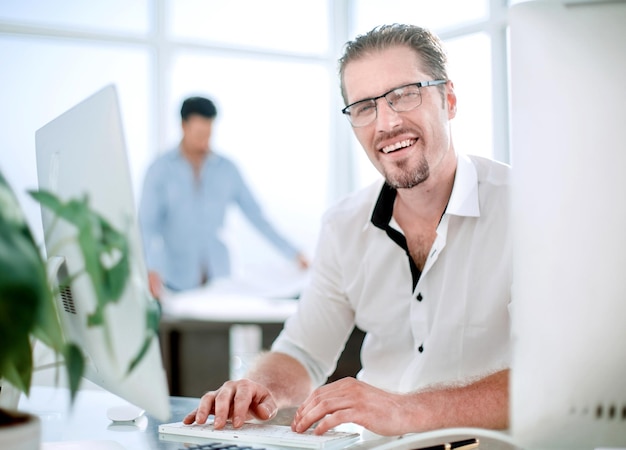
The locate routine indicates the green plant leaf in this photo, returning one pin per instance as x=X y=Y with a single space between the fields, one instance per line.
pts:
x=23 y=290
x=105 y=253
x=18 y=369
x=27 y=306
x=153 y=317
x=104 y=249
x=75 y=365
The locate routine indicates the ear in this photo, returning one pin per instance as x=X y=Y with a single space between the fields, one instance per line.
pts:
x=451 y=99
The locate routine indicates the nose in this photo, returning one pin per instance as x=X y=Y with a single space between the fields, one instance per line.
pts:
x=386 y=117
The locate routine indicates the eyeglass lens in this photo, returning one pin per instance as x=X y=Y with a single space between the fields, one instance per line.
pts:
x=401 y=99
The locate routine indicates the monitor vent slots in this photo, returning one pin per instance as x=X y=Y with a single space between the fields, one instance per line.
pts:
x=67 y=299
x=607 y=412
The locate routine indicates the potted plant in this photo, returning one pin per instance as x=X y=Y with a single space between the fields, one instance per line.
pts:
x=28 y=311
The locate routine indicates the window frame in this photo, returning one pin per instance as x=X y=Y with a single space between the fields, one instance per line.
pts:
x=342 y=169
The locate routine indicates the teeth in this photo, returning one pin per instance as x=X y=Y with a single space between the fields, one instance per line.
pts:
x=398 y=145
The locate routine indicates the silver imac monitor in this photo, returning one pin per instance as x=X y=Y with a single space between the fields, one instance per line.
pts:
x=82 y=153
x=568 y=75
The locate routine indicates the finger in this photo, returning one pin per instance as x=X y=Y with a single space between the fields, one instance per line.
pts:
x=205 y=407
x=242 y=404
x=154 y=290
x=222 y=405
x=190 y=418
x=265 y=410
x=252 y=401
x=324 y=401
x=332 y=420
x=316 y=397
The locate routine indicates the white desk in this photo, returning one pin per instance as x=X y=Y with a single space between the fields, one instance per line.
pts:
x=220 y=304
x=86 y=420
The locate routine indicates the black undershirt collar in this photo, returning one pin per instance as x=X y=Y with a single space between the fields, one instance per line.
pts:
x=381 y=217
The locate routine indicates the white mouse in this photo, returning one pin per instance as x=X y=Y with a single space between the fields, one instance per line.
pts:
x=124 y=413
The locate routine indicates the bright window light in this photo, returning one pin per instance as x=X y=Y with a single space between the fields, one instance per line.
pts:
x=283 y=25
x=45 y=78
x=435 y=15
x=111 y=16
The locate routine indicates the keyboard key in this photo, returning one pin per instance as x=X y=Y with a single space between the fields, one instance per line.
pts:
x=221 y=446
x=262 y=434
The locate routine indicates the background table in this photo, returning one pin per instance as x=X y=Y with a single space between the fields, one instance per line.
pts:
x=211 y=335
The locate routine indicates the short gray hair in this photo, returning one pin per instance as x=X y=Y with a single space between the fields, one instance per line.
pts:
x=427 y=46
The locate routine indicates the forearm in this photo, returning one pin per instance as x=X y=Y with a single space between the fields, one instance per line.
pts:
x=484 y=404
x=283 y=376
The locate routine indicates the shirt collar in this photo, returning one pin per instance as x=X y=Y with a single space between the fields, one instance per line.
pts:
x=383 y=209
x=463 y=199
x=208 y=160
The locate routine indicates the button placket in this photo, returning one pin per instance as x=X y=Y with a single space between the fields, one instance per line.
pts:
x=419 y=314
x=438 y=245
x=420 y=298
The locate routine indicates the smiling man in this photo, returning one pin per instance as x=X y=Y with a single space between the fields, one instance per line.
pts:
x=421 y=261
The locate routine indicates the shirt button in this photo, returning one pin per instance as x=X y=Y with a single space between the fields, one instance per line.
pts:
x=419 y=297
x=421 y=348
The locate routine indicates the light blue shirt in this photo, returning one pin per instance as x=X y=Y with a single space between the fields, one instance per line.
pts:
x=181 y=217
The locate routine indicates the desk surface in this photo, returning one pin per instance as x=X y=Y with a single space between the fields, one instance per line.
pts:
x=87 y=420
x=221 y=304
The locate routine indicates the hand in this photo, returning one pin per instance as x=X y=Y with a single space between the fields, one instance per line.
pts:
x=302 y=261
x=238 y=401
x=155 y=284
x=349 y=400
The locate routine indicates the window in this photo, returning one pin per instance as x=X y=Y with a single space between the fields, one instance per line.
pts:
x=119 y=16
x=274 y=81
x=470 y=70
x=42 y=78
x=436 y=15
x=280 y=25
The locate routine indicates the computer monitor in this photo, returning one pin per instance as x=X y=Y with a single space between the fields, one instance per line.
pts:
x=568 y=68
x=83 y=153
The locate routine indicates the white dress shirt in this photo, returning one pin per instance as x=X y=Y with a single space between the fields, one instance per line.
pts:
x=451 y=328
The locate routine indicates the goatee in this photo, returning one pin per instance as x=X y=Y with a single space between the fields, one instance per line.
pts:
x=407 y=178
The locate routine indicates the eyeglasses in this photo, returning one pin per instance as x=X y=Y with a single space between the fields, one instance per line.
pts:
x=400 y=99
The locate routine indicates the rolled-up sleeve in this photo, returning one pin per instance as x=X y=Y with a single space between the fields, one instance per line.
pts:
x=316 y=334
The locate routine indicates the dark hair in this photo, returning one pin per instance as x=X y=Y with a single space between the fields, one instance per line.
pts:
x=427 y=46
x=198 y=105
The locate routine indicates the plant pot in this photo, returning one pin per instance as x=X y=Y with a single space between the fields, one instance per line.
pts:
x=19 y=431
x=9 y=396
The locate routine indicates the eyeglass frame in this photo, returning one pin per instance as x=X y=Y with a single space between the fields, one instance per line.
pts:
x=419 y=84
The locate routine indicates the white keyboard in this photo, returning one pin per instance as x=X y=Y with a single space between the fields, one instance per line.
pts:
x=263 y=434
